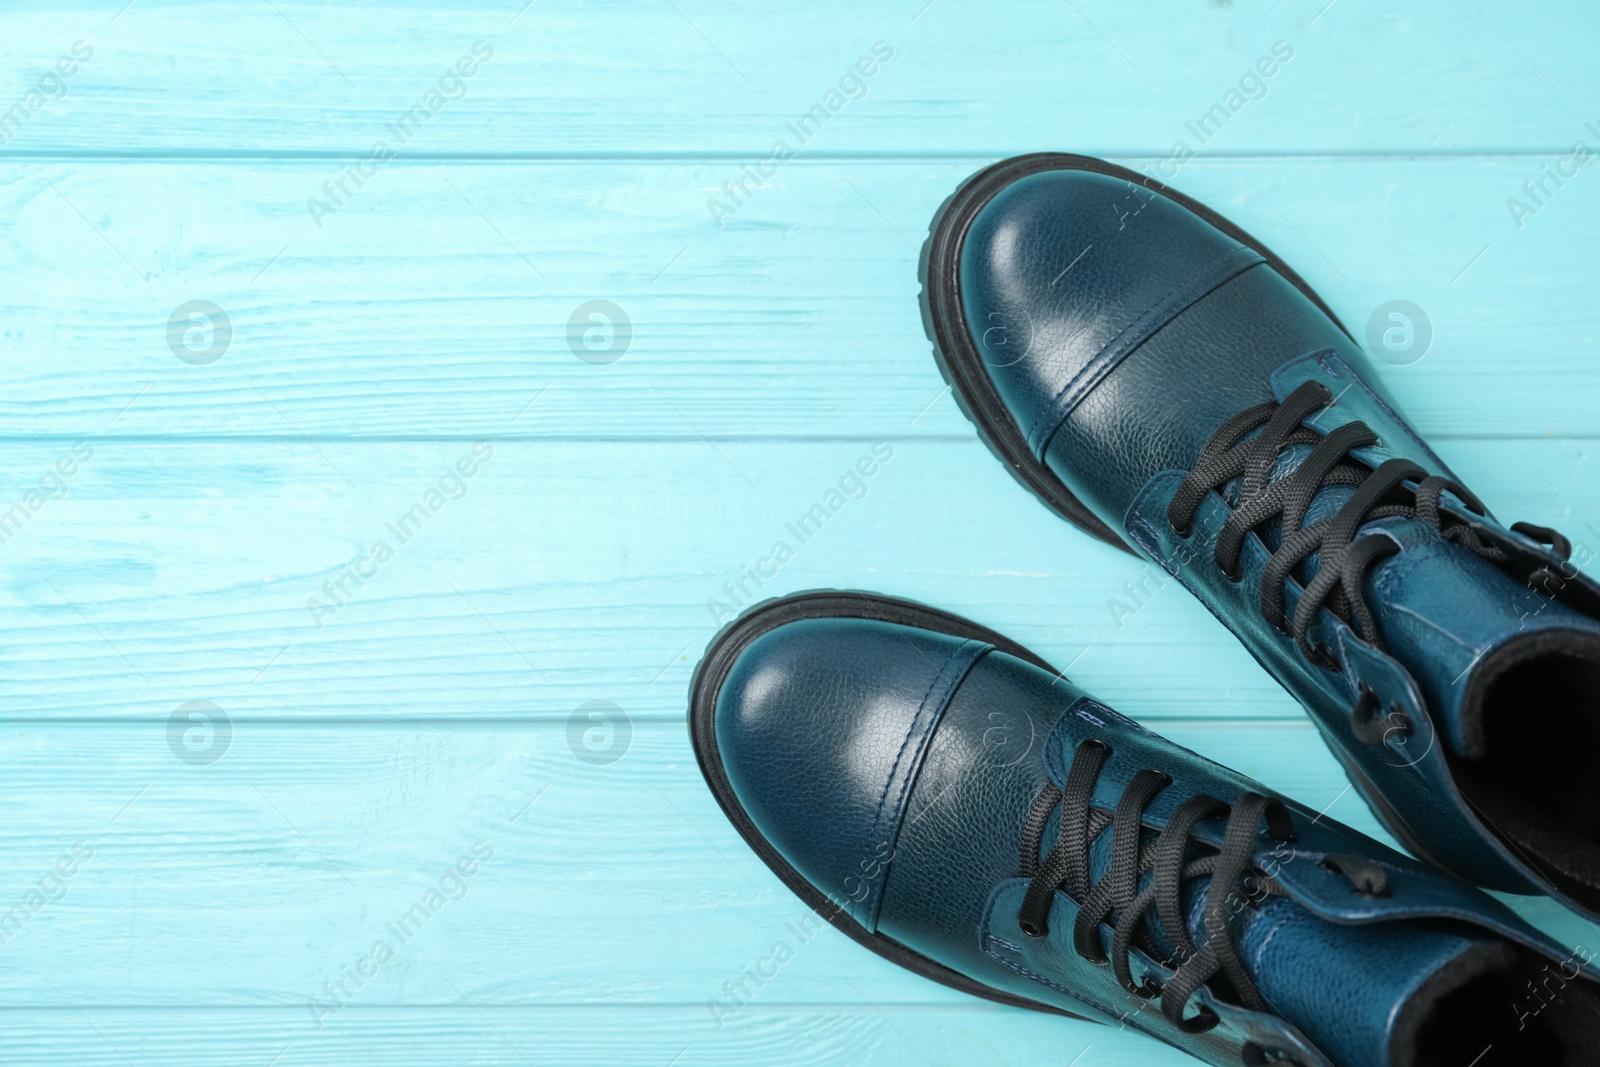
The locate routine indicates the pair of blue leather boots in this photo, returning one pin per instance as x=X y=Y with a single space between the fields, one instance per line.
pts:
x=949 y=800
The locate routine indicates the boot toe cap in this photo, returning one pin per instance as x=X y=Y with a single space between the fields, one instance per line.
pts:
x=1059 y=266
x=820 y=727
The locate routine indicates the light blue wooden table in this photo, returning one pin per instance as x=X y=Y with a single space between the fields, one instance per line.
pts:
x=353 y=594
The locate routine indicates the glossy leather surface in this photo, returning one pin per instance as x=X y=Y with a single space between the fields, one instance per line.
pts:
x=894 y=767
x=874 y=705
x=1058 y=267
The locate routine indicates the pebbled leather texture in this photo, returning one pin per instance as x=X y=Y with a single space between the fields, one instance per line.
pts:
x=1119 y=346
x=893 y=767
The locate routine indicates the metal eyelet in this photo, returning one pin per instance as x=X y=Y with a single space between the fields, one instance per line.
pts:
x=1031 y=930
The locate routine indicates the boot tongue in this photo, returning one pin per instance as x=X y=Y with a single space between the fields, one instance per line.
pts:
x=1363 y=993
x=1452 y=618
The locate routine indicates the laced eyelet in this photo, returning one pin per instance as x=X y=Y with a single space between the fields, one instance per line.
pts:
x=1326 y=659
x=1202 y=1020
x=1252 y=461
x=1116 y=897
x=1149 y=989
x=1186 y=532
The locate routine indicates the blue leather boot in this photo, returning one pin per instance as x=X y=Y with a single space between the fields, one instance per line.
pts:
x=1163 y=381
x=949 y=800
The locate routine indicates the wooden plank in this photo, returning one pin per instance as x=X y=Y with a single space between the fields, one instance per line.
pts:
x=262 y=876
x=571 y=571
x=299 y=76
x=837 y=1035
x=372 y=735
x=437 y=301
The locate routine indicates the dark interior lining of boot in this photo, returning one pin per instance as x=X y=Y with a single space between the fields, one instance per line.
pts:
x=1533 y=712
x=1501 y=1007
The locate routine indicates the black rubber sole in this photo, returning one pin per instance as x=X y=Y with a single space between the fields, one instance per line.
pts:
x=958 y=358
x=707 y=682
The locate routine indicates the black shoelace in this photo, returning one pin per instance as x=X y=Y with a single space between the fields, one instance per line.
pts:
x=1342 y=558
x=1169 y=857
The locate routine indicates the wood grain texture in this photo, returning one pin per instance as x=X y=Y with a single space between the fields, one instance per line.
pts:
x=436 y=302
x=180 y=77
x=375 y=721
x=263 y=876
x=846 y=1034
x=568 y=572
